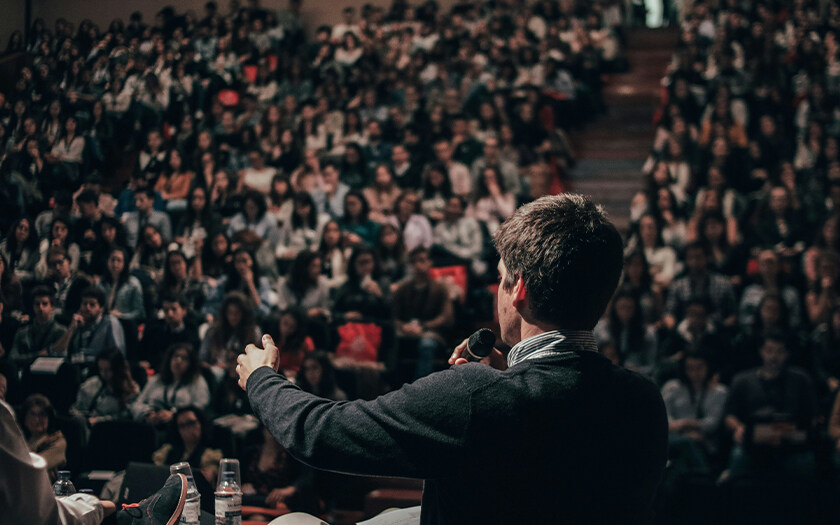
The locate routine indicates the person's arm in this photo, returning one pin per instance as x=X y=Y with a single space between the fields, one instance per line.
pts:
x=117 y=335
x=671 y=303
x=20 y=350
x=200 y=393
x=734 y=411
x=444 y=318
x=736 y=427
x=61 y=346
x=143 y=406
x=165 y=227
x=417 y=431
x=714 y=408
x=136 y=309
x=54 y=450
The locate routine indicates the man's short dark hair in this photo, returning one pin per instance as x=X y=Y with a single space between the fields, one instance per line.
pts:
x=42 y=291
x=416 y=252
x=697 y=245
x=56 y=251
x=699 y=300
x=179 y=298
x=777 y=336
x=569 y=256
x=94 y=292
x=88 y=196
x=148 y=191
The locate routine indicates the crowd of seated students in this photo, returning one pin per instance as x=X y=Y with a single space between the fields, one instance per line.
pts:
x=730 y=296
x=172 y=190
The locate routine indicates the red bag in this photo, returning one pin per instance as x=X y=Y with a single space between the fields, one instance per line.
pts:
x=250 y=73
x=359 y=341
x=458 y=275
x=229 y=97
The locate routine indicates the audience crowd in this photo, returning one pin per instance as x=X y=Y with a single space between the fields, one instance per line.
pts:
x=171 y=190
x=730 y=298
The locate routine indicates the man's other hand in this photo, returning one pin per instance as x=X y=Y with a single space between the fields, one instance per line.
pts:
x=255 y=357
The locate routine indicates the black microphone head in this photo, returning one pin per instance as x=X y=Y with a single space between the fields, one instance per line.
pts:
x=481 y=342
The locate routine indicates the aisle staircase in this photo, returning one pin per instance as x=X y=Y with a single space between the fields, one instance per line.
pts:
x=612 y=149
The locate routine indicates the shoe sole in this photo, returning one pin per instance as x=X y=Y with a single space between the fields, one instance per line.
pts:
x=176 y=516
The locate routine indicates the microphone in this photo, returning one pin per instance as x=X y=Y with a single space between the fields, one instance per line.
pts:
x=479 y=345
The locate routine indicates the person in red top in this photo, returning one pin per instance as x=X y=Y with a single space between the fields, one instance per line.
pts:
x=292 y=340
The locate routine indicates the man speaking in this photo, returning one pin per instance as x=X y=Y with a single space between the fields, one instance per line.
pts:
x=557 y=434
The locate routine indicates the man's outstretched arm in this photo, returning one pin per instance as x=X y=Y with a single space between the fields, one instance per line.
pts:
x=418 y=431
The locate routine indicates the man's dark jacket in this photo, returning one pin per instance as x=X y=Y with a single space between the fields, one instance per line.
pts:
x=568 y=438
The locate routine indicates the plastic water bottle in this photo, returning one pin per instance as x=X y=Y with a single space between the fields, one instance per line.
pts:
x=228 y=501
x=191 y=514
x=63 y=487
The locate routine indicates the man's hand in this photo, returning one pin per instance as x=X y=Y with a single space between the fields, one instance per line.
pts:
x=254 y=358
x=279 y=495
x=495 y=359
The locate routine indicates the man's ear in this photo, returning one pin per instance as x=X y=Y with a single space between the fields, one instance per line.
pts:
x=520 y=294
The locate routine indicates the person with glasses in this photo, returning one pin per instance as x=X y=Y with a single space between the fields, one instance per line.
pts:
x=38 y=423
x=177 y=384
x=187 y=440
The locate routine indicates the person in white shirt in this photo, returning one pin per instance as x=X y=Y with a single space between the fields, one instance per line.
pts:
x=349 y=25
x=459 y=175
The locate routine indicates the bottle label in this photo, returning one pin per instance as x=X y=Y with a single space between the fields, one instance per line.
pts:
x=191 y=513
x=228 y=505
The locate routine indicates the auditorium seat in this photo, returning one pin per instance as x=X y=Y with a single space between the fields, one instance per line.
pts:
x=113 y=444
x=74 y=433
x=393 y=492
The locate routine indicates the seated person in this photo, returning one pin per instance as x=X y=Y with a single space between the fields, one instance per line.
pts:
x=317 y=376
x=695 y=404
x=690 y=333
x=172 y=329
x=623 y=325
x=187 y=441
x=228 y=396
x=363 y=294
x=270 y=476
x=233 y=328
x=109 y=394
x=29 y=498
x=459 y=238
x=422 y=311
x=700 y=281
x=37 y=419
x=123 y=291
x=92 y=331
x=242 y=276
x=305 y=287
x=770 y=411
x=177 y=384
x=67 y=285
x=38 y=338
x=146 y=215
x=289 y=331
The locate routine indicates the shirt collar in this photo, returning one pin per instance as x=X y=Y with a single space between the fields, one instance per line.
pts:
x=549 y=343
